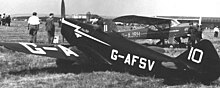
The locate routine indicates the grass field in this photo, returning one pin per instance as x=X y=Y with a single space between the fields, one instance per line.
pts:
x=31 y=71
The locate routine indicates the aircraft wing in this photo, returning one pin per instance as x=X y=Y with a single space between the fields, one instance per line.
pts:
x=141 y=20
x=56 y=51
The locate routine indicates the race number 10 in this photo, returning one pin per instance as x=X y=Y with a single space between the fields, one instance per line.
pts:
x=193 y=52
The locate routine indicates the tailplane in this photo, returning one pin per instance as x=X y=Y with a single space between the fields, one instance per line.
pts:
x=203 y=60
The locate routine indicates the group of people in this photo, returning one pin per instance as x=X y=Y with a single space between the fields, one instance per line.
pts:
x=5 y=19
x=33 y=27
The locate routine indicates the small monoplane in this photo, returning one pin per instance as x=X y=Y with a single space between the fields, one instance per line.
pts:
x=142 y=27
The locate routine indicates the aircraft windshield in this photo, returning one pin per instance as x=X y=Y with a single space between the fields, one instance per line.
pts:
x=135 y=26
x=174 y=23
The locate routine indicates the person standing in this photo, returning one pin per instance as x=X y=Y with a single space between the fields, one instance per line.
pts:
x=0 y=19
x=216 y=31
x=33 y=27
x=50 y=28
x=193 y=34
x=8 y=20
x=3 y=19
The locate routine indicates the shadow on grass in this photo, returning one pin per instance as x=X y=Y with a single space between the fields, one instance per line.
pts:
x=77 y=69
x=35 y=71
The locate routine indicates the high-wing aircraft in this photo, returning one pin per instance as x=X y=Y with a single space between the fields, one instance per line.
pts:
x=154 y=28
x=96 y=48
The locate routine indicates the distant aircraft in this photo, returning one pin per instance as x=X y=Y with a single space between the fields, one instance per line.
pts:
x=154 y=28
x=113 y=51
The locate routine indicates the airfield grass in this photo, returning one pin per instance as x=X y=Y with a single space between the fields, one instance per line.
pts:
x=26 y=71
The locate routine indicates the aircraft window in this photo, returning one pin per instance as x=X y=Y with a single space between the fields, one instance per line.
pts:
x=163 y=26
x=119 y=23
x=153 y=28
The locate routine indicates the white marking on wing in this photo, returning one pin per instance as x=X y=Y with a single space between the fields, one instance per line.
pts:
x=50 y=48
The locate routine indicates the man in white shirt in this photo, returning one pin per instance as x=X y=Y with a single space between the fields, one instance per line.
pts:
x=33 y=26
x=216 y=31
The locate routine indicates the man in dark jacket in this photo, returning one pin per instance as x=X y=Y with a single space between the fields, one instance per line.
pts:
x=50 y=28
x=195 y=34
x=8 y=20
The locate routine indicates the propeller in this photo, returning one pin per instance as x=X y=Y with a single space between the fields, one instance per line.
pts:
x=63 y=14
x=63 y=9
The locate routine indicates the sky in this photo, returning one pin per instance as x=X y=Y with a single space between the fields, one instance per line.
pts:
x=208 y=8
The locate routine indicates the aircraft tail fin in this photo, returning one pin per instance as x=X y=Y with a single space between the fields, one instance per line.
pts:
x=109 y=25
x=202 y=59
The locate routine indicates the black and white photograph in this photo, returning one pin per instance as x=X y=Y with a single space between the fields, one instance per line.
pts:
x=109 y=44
